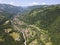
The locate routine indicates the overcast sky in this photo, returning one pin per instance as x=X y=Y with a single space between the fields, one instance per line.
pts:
x=29 y=2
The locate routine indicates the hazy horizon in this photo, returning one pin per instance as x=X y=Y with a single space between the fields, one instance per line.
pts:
x=29 y=2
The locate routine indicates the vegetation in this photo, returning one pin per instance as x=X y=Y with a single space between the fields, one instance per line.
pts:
x=39 y=25
x=8 y=36
x=46 y=19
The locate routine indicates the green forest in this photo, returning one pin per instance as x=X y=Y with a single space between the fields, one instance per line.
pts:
x=36 y=25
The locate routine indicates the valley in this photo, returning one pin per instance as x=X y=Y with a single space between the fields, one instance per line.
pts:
x=35 y=25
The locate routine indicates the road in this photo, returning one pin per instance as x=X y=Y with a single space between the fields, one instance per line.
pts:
x=16 y=27
x=40 y=30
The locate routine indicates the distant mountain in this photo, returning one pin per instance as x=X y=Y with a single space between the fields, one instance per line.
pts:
x=36 y=6
x=18 y=9
x=10 y=8
x=30 y=8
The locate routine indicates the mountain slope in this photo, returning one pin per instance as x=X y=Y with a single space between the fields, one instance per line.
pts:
x=38 y=26
x=47 y=19
x=10 y=8
x=8 y=35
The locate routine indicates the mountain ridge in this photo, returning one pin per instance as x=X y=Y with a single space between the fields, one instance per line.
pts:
x=32 y=26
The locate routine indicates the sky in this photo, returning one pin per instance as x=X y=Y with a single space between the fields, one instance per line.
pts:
x=29 y=2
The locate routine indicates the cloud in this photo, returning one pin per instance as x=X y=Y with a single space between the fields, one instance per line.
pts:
x=34 y=3
x=0 y=1
x=43 y=3
x=6 y=2
x=11 y=3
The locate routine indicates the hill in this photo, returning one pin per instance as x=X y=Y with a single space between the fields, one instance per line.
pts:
x=35 y=25
x=8 y=35
x=46 y=19
x=10 y=8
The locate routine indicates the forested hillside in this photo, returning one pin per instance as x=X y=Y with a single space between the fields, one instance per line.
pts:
x=8 y=35
x=36 y=25
x=47 y=19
